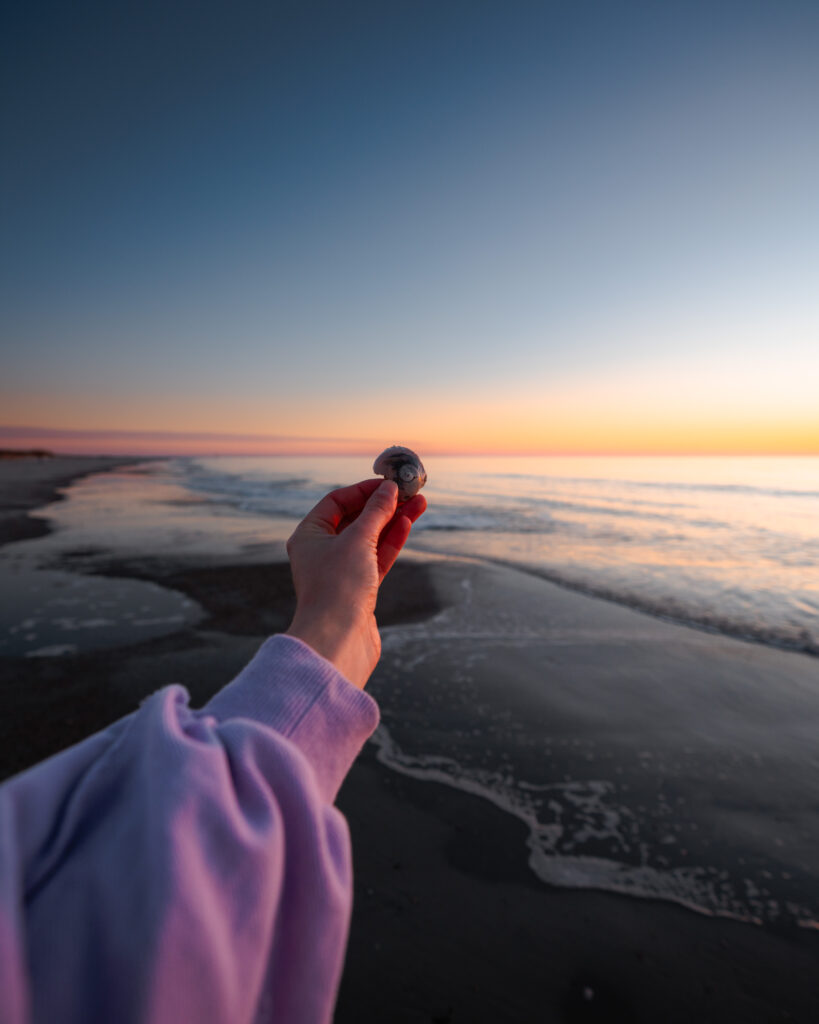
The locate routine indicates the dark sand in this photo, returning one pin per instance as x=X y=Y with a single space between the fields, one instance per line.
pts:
x=450 y=924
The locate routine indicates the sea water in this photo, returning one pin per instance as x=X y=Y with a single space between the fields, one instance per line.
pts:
x=727 y=544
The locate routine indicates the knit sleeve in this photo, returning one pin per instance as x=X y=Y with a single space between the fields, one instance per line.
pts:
x=187 y=865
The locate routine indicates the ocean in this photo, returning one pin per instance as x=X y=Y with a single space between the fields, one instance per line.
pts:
x=672 y=771
x=725 y=544
x=667 y=768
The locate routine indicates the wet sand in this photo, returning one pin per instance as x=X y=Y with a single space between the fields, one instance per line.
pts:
x=451 y=923
x=28 y=483
x=701 y=733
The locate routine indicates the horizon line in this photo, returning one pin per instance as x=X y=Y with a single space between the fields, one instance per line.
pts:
x=151 y=444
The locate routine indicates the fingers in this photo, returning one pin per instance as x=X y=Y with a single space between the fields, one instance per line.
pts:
x=395 y=535
x=413 y=508
x=378 y=511
x=342 y=505
x=371 y=505
x=390 y=544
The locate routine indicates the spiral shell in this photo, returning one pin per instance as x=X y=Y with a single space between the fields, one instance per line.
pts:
x=404 y=467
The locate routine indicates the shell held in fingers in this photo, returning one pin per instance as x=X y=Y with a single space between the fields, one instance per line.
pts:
x=404 y=467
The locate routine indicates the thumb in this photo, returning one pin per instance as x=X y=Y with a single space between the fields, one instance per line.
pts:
x=378 y=511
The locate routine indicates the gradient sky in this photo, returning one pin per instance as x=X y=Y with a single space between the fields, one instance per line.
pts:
x=457 y=225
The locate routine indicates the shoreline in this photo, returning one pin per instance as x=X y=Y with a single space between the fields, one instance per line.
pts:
x=449 y=925
x=27 y=484
x=450 y=922
x=808 y=647
x=30 y=483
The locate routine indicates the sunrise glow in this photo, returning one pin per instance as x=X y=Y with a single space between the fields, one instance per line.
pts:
x=523 y=248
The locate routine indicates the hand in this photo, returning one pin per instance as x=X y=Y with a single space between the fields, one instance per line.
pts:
x=339 y=554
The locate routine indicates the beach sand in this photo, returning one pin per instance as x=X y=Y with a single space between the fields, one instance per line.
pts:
x=493 y=669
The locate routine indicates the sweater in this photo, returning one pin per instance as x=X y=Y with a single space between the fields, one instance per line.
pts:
x=187 y=865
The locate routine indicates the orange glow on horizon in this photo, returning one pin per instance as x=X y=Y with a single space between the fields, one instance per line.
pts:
x=560 y=438
x=681 y=411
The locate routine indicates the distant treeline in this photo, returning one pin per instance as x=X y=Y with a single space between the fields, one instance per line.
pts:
x=27 y=453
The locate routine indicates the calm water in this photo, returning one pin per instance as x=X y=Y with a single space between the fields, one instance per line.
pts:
x=730 y=544
x=717 y=813
x=709 y=797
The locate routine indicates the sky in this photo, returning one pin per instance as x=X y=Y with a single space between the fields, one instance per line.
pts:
x=462 y=226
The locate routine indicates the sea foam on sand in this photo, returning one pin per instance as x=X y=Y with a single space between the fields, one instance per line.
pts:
x=638 y=754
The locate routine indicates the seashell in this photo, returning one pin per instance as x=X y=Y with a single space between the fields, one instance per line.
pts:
x=404 y=467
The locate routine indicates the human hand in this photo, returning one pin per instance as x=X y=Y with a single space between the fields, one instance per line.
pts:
x=339 y=554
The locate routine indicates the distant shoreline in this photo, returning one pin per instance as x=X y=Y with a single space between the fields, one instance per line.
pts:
x=25 y=453
x=28 y=482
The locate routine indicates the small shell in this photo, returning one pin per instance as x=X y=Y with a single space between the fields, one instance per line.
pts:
x=404 y=467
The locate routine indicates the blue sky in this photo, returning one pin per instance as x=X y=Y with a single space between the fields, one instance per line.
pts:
x=302 y=217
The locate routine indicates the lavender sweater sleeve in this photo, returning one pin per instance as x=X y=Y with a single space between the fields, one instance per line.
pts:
x=187 y=865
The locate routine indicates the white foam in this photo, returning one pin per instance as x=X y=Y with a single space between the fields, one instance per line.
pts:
x=52 y=651
x=71 y=624
x=562 y=817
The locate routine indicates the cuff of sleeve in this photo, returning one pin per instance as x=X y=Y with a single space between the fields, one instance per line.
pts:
x=292 y=689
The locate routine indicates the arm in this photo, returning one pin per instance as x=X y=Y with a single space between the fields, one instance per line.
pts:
x=340 y=554
x=189 y=865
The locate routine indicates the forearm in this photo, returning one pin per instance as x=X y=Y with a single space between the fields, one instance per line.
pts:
x=350 y=644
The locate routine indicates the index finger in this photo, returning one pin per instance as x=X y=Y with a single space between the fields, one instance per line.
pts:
x=342 y=504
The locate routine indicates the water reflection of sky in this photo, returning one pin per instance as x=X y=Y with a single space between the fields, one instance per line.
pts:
x=730 y=543
x=48 y=613
x=134 y=513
